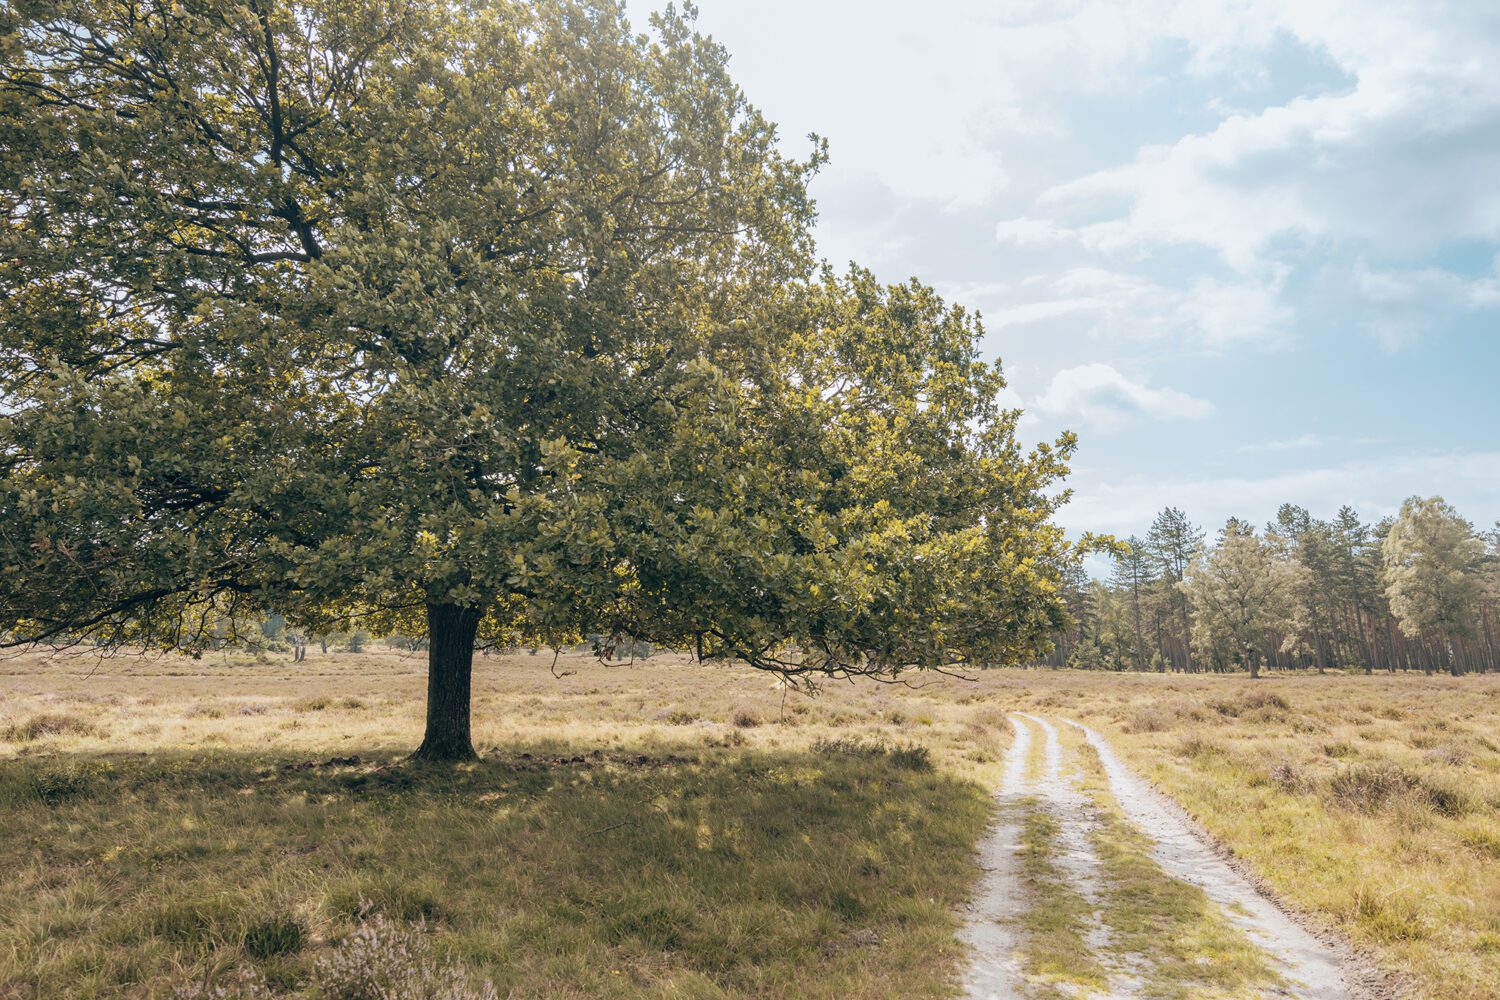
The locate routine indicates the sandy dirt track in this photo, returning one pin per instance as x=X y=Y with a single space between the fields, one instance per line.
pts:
x=1040 y=772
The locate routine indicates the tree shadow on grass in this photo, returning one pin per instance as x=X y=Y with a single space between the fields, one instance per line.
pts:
x=56 y=778
x=539 y=866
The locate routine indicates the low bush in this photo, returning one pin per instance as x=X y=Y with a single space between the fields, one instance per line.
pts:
x=910 y=756
x=1370 y=788
x=1448 y=753
x=1261 y=699
x=1197 y=746
x=246 y=984
x=1286 y=776
x=1266 y=704
x=47 y=724
x=1149 y=719
x=50 y=783
x=379 y=960
x=383 y=960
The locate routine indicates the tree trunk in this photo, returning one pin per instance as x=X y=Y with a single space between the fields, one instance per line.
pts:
x=1187 y=641
x=1364 y=645
x=451 y=629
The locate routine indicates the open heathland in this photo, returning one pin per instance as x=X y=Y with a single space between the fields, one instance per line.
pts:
x=666 y=828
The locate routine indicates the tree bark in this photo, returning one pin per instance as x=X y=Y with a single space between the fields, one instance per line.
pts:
x=451 y=629
x=1187 y=640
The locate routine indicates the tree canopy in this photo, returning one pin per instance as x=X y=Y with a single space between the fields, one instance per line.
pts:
x=1416 y=591
x=500 y=320
x=1431 y=574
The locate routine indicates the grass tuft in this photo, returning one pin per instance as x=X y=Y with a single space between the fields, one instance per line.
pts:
x=47 y=724
x=908 y=756
x=281 y=934
x=1370 y=788
x=745 y=718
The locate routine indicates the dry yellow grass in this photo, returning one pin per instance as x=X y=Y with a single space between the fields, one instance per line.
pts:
x=1371 y=803
x=373 y=701
x=658 y=830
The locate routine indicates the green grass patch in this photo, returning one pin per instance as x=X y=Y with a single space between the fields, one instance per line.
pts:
x=1055 y=924
x=543 y=870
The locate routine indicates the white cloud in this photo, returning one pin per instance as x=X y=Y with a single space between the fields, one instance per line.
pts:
x=1036 y=312
x=1402 y=161
x=1216 y=312
x=1100 y=397
x=1026 y=232
x=1404 y=304
x=1224 y=312
x=1183 y=182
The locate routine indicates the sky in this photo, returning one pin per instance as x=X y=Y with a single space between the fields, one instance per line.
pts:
x=1250 y=253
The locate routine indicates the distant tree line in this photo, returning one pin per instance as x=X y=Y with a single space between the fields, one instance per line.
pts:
x=1419 y=591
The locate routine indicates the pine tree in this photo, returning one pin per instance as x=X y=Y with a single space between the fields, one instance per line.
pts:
x=1172 y=542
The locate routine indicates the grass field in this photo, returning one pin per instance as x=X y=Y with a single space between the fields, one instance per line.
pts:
x=639 y=831
x=674 y=830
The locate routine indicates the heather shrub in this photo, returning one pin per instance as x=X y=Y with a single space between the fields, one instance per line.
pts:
x=1448 y=753
x=47 y=724
x=847 y=746
x=1149 y=719
x=54 y=784
x=1265 y=705
x=1163 y=715
x=1371 y=787
x=1197 y=746
x=246 y=985
x=1368 y=787
x=383 y=960
x=1286 y=776
x=911 y=757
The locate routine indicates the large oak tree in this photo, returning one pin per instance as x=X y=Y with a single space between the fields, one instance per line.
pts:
x=489 y=319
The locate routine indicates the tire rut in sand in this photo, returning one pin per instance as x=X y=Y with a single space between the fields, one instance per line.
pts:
x=1314 y=970
x=989 y=930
